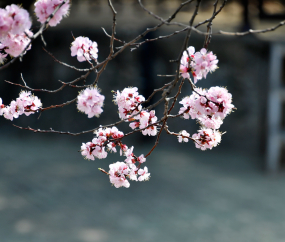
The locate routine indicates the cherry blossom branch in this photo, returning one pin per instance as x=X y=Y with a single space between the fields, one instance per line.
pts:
x=155 y=91
x=215 y=13
x=64 y=64
x=171 y=17
x=253 y=31
x=190 y=24
x=194 y=28
x=162 y=23
x=176 y=134
x=36 y=90
x=176 y=96
x=64 y=84
x=209 y=27
x=113 y=27
x=159 y=38
x=32 y=38
x=164 y=119
x=105 y=32
x=58 y=105
x=162 y=127
x=209 y=107
x=50 y=131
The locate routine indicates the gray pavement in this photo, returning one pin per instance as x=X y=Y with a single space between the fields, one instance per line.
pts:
x=49 y=193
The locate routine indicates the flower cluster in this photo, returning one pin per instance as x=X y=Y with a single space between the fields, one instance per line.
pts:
x=14 y=20
x=84 y=49
x=130 y=108
x=120 y=171
x=144 y=120
x=90 y=102
x=128 y=102
x=199 y=64
x=108 y=139
x=209 y=107
x=133 y=172
x=183 y=136
x=14 y=27
x=207 y=138
x=44 y=8
x=26 y=104
x=96 y=148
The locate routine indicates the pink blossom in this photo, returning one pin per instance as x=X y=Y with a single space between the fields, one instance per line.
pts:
x=133 y=172
x=30 y=103
x=90 y=102
x=123 y=149
x=199 y=64
x=97 y=148
x=8 y=113
x=6 y=22
x=84 y=49
x=128 y=102
x=144 y=175
x=112 y=147
x=16 y=108
x=209 y=107
x=93 y=149
x=100 y=152
x=14 y=25
x=134 y=125
x=44 y=8
x=189 y=108
x=186 y=63
x=204 y=63
x=222 y=99
x=141 y=159
x=21 y=19
x=26 y=104
x=130 y=155
x=145 y=119
x=183 y=136
x=87 y=149
x=150 y=131
x=118 y=174
x=207 y=138
x=211 y=122
x=115 y=133
x=16 y=44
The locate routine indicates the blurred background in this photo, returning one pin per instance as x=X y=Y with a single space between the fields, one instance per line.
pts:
x=234 y=192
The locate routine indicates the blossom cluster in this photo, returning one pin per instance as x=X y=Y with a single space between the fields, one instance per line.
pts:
x=14 y=27
x=44 y=8
x=199 y=64
x=130 y=108
x=108 y=139
x=209 y=108
x=26 y=104
x=207 y=138
x=90 y=102
x=15 y=24
x=84 y=49
x=120 y=171
x=96 y=148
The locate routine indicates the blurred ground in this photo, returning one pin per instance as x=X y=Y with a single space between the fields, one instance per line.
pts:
x=48 y=192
